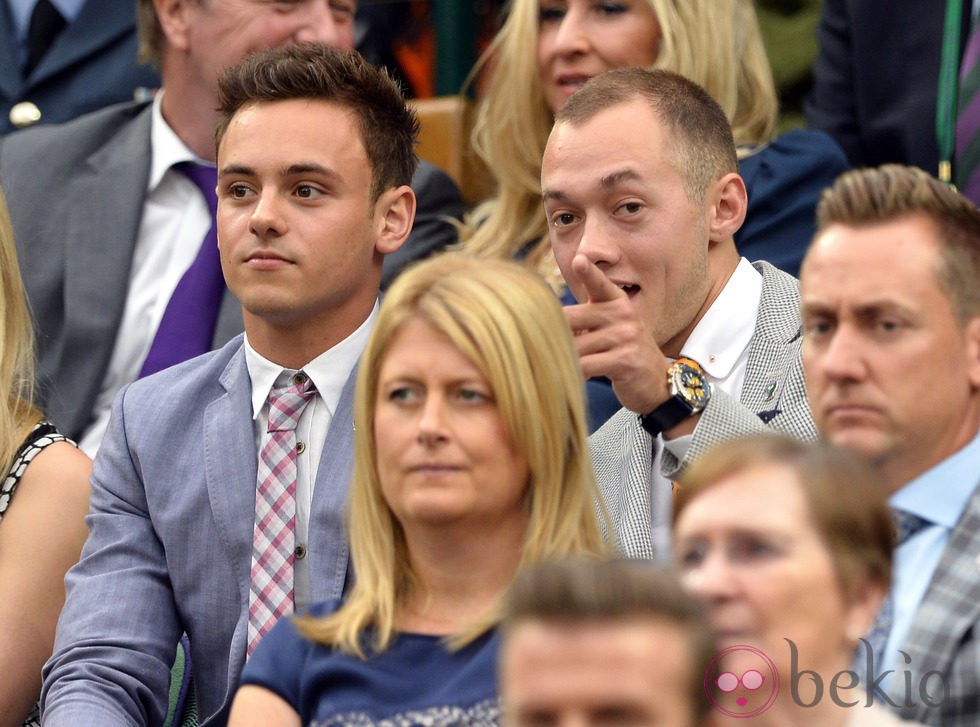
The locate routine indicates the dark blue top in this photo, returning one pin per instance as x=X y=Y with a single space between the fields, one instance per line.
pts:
x=416 y=681
x=784 y=180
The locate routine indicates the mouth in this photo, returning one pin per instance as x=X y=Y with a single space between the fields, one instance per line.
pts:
x=266 y=259
x=631 y=289
x=571 y=82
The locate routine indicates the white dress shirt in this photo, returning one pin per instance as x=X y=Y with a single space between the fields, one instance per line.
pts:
x=329 y=372
x=175 y=220
x=720 y=343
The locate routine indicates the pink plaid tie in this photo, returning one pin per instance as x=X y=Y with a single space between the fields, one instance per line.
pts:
x=271 y=594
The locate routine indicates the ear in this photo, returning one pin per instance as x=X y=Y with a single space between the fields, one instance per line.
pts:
x=860 y=612
x=971 y=341
x=394 y=213
x=726 y=205
x=175 y=22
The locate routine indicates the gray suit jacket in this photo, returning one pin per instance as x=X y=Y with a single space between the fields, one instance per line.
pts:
x=170 y=543
x=945 y=634
x=76 y=193
x=773 y=398
x=92 y=64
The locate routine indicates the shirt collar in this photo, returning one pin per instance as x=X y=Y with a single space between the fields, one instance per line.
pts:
x=329 y=371
x=167 y=147
x=940 y=494
x=726 y=328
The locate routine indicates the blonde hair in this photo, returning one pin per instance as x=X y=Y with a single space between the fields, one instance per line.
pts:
x=16 y=349
x=510 y=325
x=511 y=137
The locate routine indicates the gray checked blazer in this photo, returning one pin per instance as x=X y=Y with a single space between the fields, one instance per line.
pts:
x=773 y=398
x=944 y=636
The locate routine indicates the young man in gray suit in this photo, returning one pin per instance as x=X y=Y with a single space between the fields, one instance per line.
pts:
x=315 y=153
x=643 y=197
x=102 y=259
x=891 y=317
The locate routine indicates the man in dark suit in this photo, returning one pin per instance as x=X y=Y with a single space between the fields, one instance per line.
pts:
x=86 y=61
x=642 y=192
x=876 y=79
x=180 y=530
x=891 y=317
x=102 y=257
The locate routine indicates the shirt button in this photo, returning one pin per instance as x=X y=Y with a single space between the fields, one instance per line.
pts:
x=299 y=378
x=300 y=552
x=300 y=447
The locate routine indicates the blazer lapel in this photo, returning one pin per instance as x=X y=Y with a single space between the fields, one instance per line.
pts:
x=231 y=467
x=100 y=223
x=948 y=613
x=775 y=344
x=99 y=23
x=11 y=82
x=328 y=533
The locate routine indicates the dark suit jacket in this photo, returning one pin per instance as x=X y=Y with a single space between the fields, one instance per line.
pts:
x=75 y=193
x=170 y=544
x=875 y=79
x=92 y=64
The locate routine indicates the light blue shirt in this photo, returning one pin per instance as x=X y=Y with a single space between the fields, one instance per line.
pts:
x=20 y=12
x=939 y=496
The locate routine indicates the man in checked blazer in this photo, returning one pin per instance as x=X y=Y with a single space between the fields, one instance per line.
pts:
x=891 y=314
x=315 y=153
x=643 y=197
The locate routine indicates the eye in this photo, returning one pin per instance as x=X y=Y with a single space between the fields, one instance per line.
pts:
x=402 y=394
x=611 y=8
x=563 y=219
x=815 y=327
x=750 y=547
x=551 y=13
x=692 y=555
x=343 y=11
x=307 y=191
x=238 y=190
x=472 y=395
x=629 y=208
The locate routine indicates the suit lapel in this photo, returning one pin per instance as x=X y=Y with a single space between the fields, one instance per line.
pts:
x=98 y=24
x=328 y=537
x=101 y=221
x=11 y=82
x=230 y=461
x=949 y=610
x=774 y=344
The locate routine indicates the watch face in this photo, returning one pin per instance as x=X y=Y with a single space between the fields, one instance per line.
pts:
x=690 y=384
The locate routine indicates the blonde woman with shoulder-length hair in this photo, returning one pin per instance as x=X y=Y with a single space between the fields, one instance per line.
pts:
x=546 y=48
x=43 y=501
x=470 y=462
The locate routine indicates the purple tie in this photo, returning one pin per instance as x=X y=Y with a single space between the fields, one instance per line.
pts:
x=187 y=327
x=967 y=156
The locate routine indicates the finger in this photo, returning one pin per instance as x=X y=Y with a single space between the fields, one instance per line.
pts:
x=598 y=287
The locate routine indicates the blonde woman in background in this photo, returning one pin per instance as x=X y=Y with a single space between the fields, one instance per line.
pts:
x=43 y=501
x=470 y=462
x=546 y=49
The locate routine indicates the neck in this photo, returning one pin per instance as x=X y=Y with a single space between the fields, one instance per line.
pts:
x=188 y=106
x=898 y=471
x=460 y=578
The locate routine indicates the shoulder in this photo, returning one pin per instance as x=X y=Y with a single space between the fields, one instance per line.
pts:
x=812 y=157
x=187 y=378
x=78 y=137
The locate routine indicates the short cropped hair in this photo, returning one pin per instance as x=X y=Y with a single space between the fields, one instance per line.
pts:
x=889 y=192
x=704 y=149
x=509 y=323
x=845 y=497
x=389 y=129
x=572 y=591
x=151 y=38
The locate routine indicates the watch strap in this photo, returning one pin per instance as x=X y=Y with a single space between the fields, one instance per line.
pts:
x=666 y=416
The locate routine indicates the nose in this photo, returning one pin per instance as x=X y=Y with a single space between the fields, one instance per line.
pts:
x=432 y=420
x=571 y=37
x=712 y=579
x=838 y=358
x=598 y=244
x=266 y=219
x=321 y=23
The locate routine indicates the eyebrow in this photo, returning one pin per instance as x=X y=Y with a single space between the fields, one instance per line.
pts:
x=611 y=180
x=290 y=171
